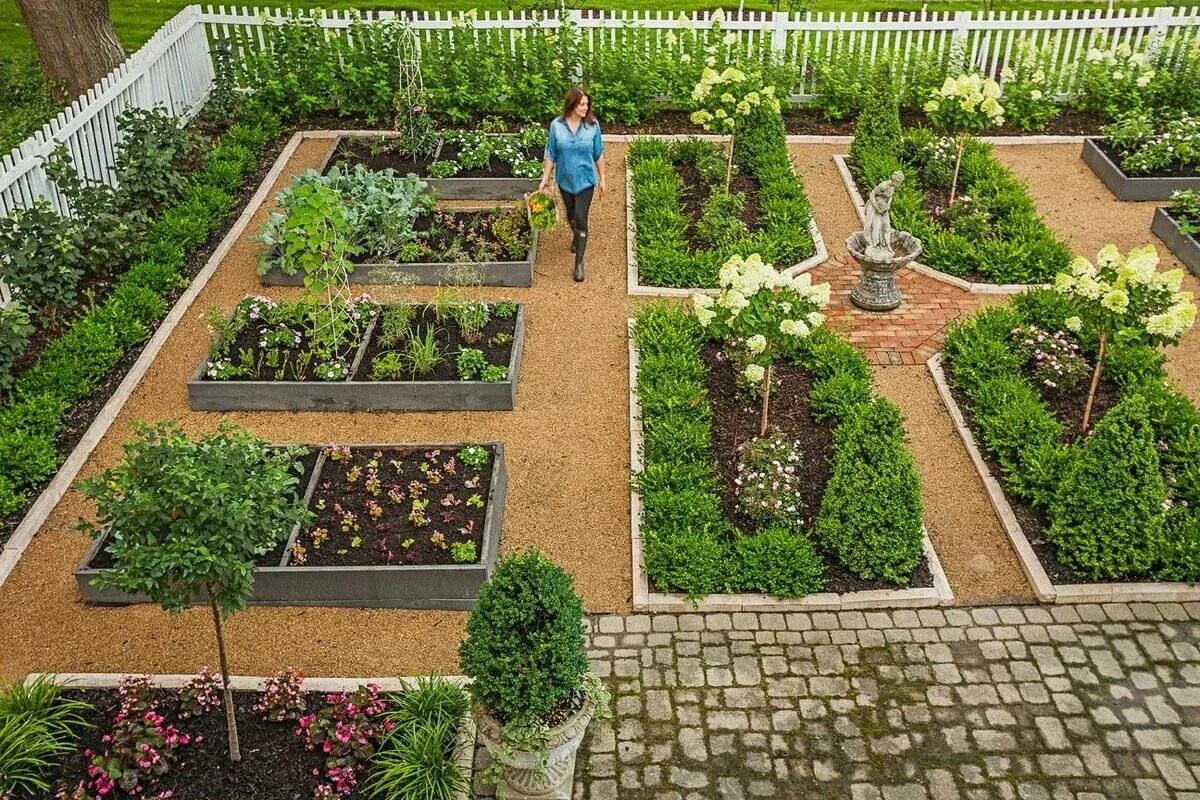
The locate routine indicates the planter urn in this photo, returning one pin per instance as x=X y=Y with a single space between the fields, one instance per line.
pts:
x=522 y=775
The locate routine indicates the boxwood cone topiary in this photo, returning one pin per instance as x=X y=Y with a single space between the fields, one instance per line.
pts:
x=525 y=650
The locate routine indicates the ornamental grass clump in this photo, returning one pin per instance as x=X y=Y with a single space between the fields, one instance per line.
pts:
x=759 y=314
x=38 y=726
x=963 y=105
x=1125 y=300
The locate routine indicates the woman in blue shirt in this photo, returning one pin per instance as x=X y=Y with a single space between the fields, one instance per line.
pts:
x=575 y=151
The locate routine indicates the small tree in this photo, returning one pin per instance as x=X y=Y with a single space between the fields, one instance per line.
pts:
x=189 y=517
x=1125 y=299
x=726 y=101
x=964 y=105
x=758 y=313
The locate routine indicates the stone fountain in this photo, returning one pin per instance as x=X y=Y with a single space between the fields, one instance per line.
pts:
x=881 y=251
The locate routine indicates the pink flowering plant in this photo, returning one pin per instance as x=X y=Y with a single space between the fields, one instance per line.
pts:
x=201 y=694
x=282 y=697
x=767 y=484
x=346 y=730
x=1053 y=358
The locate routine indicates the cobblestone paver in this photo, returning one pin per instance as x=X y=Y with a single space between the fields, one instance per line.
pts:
x=1054 y=703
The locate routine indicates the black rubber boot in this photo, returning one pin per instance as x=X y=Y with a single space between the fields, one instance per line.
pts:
x=580 y=244
x=574 y=238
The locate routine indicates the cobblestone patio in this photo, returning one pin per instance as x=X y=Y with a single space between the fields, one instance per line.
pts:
x=1080 y=702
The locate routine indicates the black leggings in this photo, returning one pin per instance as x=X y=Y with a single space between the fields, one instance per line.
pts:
x=577 y=208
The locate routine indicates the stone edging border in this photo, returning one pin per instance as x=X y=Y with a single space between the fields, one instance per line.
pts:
x=967 y=286
x=1043 y=587
x=58 y=486
x=645 y=600
x=464 y=755
x=635 y=289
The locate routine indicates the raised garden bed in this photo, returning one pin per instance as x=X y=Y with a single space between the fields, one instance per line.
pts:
x=967 y=243
x=692 y=546
x=1128 y=187
x=481 y=166
x=1184 y=246
x=277 y=763
x=235 y=375
x=354 y=554
x=683 y=225
x=1023 y=436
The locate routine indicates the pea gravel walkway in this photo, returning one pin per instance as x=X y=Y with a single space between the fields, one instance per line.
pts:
x=1071 y=702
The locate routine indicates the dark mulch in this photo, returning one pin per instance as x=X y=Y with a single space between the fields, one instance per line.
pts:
x=1174 y=171
x=811 y=122
x=664 y=122
x=735 y=422
x=696 y=192
x=450 y=341
x=1067 y=406
x=381 y=539
x=288 y=366
x=273 y=557
x=275 y=764
x=387 y=156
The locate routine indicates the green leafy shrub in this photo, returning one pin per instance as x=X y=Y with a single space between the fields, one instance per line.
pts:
x=838 y=84
x=15 y=328
x=871 y=514
x=1180 y=555
x=779 y=561
x=525 y=650
x=1107 y=520
x=41 y=256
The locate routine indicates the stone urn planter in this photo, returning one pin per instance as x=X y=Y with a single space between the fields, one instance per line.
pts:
x=523 y=776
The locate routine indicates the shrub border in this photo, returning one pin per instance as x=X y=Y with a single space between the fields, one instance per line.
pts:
x=645 y=600
x=636 y=289
x=1046 y=590
x=975 y=288
x=46 y=502
x=464 y=755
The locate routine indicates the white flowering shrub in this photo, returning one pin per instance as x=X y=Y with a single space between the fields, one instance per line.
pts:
x=964 y=105
x=1149 y=146
x=725 y=102
x=1115 y=80
x=1126 y=299
x=758 y=313
x=1026 y=92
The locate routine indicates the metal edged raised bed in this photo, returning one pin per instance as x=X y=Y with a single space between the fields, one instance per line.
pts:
x=516 y=274
x=1184 y=246
x=1129 y=188
x=442 y=586
x=360 y=395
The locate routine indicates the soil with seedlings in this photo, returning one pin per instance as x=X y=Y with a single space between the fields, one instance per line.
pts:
x=449 y=337
x=368 y=152
x=735 y=422
x=1172 y=171
x=275 y=764
x=392 y=535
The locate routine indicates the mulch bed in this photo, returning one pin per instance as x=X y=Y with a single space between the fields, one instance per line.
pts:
x=1175 y=171
x=1067 y=407
x=696 y=192
x=357 y=150
x=735 y=422
x=275 y=764
x=381 y=539
x=450 y=341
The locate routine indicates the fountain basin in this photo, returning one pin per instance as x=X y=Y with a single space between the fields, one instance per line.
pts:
x=877 y=291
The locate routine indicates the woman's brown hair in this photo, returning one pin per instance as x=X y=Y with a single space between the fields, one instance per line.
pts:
x=574 y=97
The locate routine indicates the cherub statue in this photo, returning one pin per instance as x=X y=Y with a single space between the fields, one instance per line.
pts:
x=878 y=228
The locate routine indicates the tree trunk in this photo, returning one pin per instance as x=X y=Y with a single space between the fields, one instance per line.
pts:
x=960 y=145
x=235 y=747
x=766 y=403
x=729 y=165
x=75 y=42
x=1087 y=408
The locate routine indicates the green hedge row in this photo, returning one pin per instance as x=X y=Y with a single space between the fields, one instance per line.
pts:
x=1003 y=239
x=870 y=518
x=73 y=365
x=1122 y=503
x=663 y=255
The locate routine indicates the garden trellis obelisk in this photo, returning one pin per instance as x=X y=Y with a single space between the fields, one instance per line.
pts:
x=410 y=90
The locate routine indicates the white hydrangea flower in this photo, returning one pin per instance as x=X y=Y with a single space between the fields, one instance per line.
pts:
x=756 y=343
x=1116 y=300
x=815 y=319
x=1073 y=324
x=754 y=373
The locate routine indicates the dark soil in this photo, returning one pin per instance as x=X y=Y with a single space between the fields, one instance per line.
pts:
x=1067 y=406
x=275 y=764
x=735 y=422
x=401 y=471
x=811 y=122
x=450 y=341
x=271 y=558
x=80 y=417
x=288 y=366
x=1176 y=170
x=696 y=192
x=375 y=157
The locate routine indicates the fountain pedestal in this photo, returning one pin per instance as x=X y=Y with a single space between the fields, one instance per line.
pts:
x=877 y=291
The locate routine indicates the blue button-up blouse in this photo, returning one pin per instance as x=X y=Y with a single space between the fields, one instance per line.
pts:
x=574 y=154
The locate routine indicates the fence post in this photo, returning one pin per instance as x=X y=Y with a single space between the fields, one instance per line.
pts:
x=779 y=33
x=1163 y=15
x=958 y=40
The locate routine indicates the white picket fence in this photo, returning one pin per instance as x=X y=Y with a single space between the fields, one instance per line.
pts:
x=174 y=69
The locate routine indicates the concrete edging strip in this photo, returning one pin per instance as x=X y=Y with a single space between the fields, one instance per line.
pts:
x=58 y=486
x=1043 y=587
x=645 y=600
x=974 y=288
